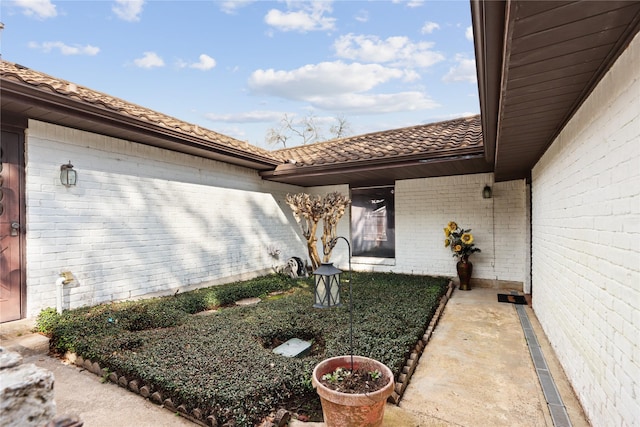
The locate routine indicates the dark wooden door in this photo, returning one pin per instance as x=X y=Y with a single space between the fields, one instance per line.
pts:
x=12 y=295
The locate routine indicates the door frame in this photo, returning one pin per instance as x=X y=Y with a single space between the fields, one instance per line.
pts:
x=18 y=127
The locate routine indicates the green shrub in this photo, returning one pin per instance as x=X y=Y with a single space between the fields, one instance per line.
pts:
x=223 y=363
x=46 y=320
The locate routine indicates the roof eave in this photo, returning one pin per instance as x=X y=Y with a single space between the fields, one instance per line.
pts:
x=291 y=173
x=165 y=137
x=488 y=21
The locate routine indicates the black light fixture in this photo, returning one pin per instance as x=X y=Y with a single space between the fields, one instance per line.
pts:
x=327 y=286
x=486 y=192
x=68 y=176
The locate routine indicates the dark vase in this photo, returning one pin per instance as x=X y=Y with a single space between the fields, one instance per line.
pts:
x=464 y=268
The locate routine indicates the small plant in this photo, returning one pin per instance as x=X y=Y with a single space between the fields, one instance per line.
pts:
x=47 y=320
x=105 y=375
x=375 y=374
x=339 y=375
x=307 y=384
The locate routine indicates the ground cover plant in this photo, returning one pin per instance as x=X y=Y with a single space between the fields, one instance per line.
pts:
x=222 y=362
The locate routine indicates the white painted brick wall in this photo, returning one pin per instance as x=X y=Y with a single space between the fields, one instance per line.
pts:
x=143 y=220
x=586 y=246
x=425 y=206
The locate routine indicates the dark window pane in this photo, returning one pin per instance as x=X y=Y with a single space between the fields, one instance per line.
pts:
x=373 y=222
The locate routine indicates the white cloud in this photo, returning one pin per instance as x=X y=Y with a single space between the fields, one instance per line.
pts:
x=409 y=3
x=469 y=33
x=128 y=10
x=354 y=103
x=41 y=9
x=429 y=27
x=247 y=117
x=64 y=48
x=398 y=51
x=336 y=86
x=310 y=17
x=362 y=16
x=230 y=7
x=463 y=71
x=325 y=78
x=149 y=60
x=206 y=63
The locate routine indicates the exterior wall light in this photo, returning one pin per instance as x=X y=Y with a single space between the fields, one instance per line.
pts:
x=486 y=192
x=327 y=286
x=68 y=176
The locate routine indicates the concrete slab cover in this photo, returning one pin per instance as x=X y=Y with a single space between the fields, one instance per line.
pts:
x=295 y=347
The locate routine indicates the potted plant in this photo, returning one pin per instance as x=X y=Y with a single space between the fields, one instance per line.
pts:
x=353 y=390
x=461 y=243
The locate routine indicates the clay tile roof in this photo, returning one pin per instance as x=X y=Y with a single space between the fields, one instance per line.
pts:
x=447 y=138
x=44 y=82
x=434 y=139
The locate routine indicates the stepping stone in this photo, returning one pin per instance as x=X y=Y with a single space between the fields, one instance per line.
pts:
x=248 y=301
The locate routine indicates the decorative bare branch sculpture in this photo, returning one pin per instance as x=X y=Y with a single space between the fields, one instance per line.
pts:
x=308 y=210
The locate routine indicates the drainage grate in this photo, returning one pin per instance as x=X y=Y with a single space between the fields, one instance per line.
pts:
x=557 y=409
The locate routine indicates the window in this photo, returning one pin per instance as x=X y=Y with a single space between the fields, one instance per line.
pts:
x=373 y=222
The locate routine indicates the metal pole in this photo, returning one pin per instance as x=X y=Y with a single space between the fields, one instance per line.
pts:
x=333 y=243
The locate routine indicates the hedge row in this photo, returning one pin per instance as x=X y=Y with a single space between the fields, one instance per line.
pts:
x=223 y=363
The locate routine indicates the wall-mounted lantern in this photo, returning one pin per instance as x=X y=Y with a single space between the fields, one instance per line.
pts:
x=486 y=192
x=68 y=176
x=327 y=286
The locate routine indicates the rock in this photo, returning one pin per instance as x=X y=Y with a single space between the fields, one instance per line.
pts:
x=26 y=393
x=145 y=391
x=65 y=421
x=248 y=301
x=197 y=414
x=123 y=382
x=96 y=369
x=168 y=403
x=156 y=398
x=9 y=359
x=282 y=417
x=79 y=362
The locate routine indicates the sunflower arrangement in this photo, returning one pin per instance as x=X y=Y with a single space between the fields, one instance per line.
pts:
x=459 y=240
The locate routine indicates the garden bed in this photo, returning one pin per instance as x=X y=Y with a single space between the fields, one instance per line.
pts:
x=220 y=367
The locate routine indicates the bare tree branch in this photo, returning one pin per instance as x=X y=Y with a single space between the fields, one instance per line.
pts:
x=309 y=210
x=307 y=130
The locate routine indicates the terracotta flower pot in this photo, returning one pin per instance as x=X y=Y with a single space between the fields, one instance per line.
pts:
x=352 y=410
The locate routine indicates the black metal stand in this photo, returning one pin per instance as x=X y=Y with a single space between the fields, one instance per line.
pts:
x=333 y=243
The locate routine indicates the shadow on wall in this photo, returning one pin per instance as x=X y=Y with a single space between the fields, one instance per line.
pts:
x=147 y=236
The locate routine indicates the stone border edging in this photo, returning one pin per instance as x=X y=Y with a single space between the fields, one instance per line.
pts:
x=412 y=361
x=145 y=390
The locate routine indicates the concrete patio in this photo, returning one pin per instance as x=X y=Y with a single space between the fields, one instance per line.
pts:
x=475 y=371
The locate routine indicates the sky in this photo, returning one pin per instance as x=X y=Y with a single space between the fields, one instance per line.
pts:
x=240 y=67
